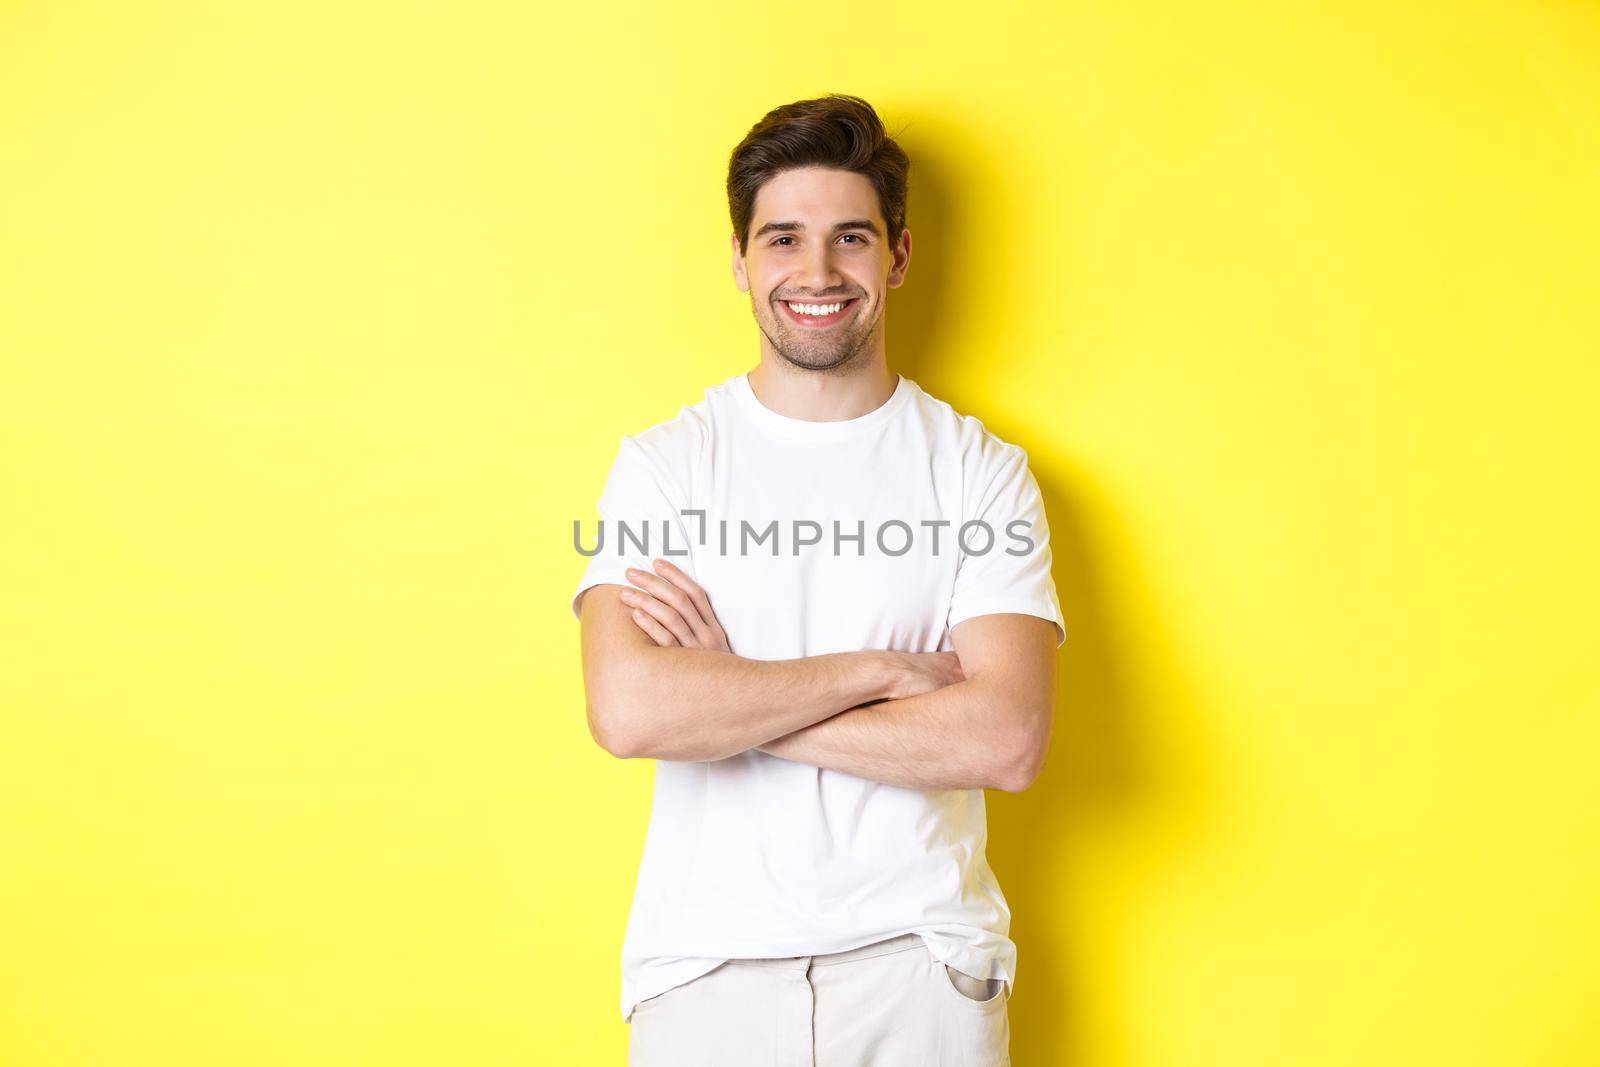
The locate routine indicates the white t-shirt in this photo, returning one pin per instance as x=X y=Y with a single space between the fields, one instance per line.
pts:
x=759 y=856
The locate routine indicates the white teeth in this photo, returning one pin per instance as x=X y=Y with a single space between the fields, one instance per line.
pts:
x=814 y=309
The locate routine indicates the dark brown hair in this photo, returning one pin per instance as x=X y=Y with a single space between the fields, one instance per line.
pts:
x=837 y=130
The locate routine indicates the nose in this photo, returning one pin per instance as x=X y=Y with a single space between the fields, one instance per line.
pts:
x=818 y=273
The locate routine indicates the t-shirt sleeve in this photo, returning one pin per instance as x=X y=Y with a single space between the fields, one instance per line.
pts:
x=640 y=520
x=1014 y=574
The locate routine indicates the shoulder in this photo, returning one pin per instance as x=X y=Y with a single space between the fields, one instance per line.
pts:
x=684 y=432
x=670 y=450
x=982 y=451
x=684 y=435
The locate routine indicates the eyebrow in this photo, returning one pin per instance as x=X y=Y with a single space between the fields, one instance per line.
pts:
x=789 y=226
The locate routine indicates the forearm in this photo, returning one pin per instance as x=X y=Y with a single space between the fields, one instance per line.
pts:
x=957 y=737
x=692 y=704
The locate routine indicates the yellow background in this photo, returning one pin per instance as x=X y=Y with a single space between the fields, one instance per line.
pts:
x=319 y=325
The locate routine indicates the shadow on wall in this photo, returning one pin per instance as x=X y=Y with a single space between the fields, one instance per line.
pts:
x=1095 y=773
x=915 y=308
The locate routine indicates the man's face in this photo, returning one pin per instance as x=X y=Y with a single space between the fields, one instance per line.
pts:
x=817 y=240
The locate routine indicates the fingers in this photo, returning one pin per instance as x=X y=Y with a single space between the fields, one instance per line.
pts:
x=674 y=595
x=663 y=617
x=675 y=574
x=655 y=630
x=697 y=596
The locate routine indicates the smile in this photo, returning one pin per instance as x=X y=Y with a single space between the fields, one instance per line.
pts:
x=814 y=314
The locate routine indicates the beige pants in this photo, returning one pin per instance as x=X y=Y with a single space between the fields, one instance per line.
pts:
x=889 y=1004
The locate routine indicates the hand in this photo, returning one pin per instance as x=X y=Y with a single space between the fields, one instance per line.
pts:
x=673 y=610
x=923 y=672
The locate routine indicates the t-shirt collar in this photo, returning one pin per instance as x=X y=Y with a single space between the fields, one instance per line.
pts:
x=813 y=430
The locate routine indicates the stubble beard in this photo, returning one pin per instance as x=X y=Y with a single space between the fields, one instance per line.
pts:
x=834 y=356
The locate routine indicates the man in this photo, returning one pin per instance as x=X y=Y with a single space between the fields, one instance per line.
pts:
x=795 y=610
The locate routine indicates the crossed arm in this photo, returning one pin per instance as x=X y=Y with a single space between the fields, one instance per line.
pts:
x=661 y=683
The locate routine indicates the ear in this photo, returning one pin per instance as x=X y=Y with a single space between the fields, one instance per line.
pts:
x=902 y=260
x=739 y=277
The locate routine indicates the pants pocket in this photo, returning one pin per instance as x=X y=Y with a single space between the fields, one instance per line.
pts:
x=978 y=991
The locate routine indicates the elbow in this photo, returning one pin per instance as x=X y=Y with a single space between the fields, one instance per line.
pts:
x=614 y=733
x=612 y=707
x=1023 y=759
x=628 y=719
x=609 y=730
x=1018 y=775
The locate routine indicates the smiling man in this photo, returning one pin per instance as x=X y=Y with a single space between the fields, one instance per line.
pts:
x=821 y=601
